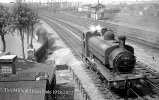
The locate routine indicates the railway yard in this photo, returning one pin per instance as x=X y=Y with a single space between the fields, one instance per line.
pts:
x=74 y=28
x=68 y=74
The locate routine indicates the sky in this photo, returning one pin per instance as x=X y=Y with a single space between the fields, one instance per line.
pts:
x=93 y=1
x=84 y=1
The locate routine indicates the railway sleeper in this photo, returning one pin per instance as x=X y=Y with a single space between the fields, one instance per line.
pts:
x=101 y=89
x=148 y=68
x=140 y=68
x=154 y=80
x=147 y=74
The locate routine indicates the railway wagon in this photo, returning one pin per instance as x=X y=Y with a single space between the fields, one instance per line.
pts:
x=112 y=58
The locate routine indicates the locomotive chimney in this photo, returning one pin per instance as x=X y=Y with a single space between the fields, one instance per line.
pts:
x=121 y=41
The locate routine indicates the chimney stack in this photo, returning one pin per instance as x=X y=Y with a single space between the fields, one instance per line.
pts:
x=121 y=41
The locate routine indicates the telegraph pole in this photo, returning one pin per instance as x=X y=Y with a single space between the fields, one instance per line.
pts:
x=96 y=11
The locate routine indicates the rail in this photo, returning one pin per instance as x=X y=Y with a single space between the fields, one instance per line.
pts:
x=84 y=93
x=156 y=87
x=117 y=28
x=136 y=94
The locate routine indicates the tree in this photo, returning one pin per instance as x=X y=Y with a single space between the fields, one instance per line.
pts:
x=20 y=15
x=33 y=19
x=5 y=17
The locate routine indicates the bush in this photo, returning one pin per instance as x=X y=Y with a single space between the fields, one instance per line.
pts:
x=42 y=33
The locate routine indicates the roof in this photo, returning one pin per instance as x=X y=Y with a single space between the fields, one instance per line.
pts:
x=97 y=5
x=7 y=57
x=87 y=5
x=29 y=83
x=28 y=68
x=23 y=90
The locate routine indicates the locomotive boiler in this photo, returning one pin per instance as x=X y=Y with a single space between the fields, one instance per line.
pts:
x=113 y=58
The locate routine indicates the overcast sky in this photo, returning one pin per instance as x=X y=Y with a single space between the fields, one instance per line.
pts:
x=84 y=1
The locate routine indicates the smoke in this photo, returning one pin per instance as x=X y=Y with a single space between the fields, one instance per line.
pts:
x=94 y=29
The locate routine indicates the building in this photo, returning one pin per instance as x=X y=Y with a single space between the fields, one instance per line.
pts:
x=96 y=10
x=86 y=8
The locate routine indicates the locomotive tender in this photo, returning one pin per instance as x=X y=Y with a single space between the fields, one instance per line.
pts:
x=113 y=59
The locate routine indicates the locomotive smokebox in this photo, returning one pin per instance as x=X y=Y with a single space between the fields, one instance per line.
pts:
x=122 y=41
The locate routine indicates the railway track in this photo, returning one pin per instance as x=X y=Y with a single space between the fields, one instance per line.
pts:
x=67 y=37
x=152 y=77
x=79 y=32
x=76 y=47
x=131 y=33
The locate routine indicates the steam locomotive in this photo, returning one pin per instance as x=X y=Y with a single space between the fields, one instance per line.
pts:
x=112 y=58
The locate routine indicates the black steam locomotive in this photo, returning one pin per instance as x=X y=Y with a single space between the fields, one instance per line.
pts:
x=113 y=59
